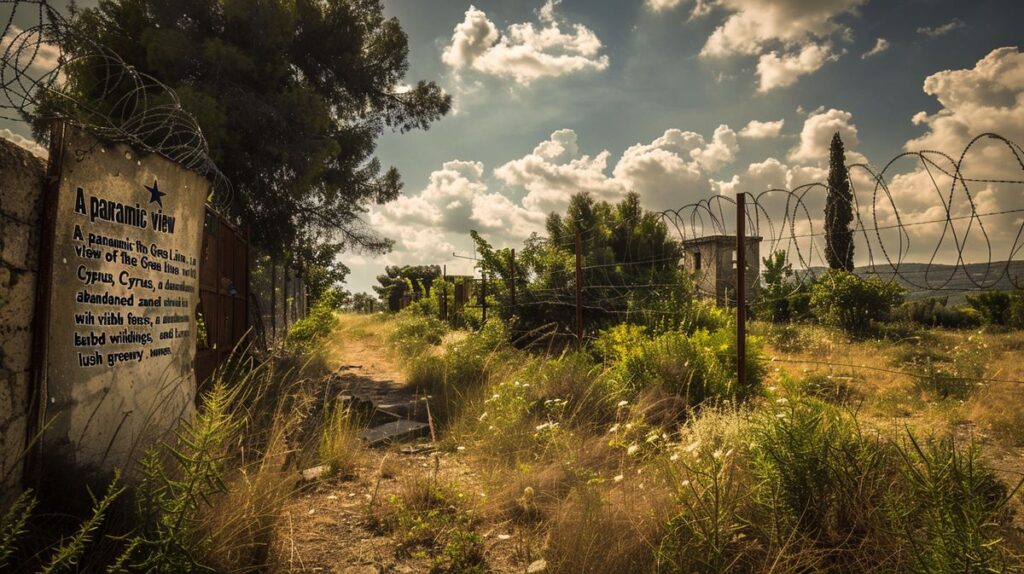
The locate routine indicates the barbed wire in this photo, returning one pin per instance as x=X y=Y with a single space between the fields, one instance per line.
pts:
x=49 y=72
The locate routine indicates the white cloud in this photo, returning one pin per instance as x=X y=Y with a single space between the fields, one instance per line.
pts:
x=525 y=52
x=936 y=31
x=986 y=98
x=775 y=71
x=881 y=45
x=758 y=130
x=816 y=135
x=33 y=55
x=664 y=172
x=24 y=142
x=555 y=170
x=754 y=24
x=662 y=5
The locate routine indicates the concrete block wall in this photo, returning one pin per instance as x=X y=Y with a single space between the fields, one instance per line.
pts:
x=22 y=180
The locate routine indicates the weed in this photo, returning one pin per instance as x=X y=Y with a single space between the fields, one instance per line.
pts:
x=950 y=513
x=340 y=448
x=431 y=516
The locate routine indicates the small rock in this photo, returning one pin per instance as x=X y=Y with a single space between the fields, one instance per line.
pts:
x=314 y=473
x=537 y=566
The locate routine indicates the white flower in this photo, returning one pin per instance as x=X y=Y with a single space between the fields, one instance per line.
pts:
x=615 y=428
x=633 y=449
x=618 y=478
x=782 y=400
x=717 y=454
x=692 y=446
x=460 y=449
x=623 y=403
x=674 y=457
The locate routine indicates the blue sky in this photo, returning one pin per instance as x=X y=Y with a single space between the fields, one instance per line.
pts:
x=659 y=96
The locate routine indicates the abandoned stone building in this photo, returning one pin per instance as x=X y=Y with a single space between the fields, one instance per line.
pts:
x=711 y=261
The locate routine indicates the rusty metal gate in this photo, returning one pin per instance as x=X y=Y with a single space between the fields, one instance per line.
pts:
x=223 y=293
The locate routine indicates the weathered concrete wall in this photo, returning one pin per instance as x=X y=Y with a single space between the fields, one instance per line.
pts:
x=21 y=188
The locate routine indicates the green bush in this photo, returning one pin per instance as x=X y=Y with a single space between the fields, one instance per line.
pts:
x=413 y=333
x=993 y=306
x=842 y=299
x=949 y=509
x=936 y=312
x=318 y=323
x=698 y=367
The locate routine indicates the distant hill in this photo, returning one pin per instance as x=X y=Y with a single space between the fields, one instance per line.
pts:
x=955 y=282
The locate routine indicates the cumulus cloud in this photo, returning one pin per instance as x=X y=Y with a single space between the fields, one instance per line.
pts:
x=881 y=45
x=524 y=52
x=24 y=142
x=936 y=31
x=758 y=130
x=986 y=98
x=816 y=135
x=778 y=71
x=670 y=171
x=33 y=55
x=662 y=5
x=754 y=24
x=555 y=170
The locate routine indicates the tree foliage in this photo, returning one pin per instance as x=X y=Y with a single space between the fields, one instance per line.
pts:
x=630 y=270
x=842 y=299
x=838 y=210
x=396 y=281
x=290 y=94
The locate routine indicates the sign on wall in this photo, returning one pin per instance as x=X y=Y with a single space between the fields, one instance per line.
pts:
x=121 y=304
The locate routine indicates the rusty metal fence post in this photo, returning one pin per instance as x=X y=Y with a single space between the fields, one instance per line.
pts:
x=579 y=291
x=741 y=288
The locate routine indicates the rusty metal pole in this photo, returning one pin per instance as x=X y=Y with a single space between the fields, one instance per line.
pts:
x=483 y=298
x=512 y=273
x=741 y=289
x=579 y=291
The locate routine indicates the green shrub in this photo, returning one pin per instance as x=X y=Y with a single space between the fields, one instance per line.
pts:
x=698 y=367
x=993 y=306
x=170 y=498
x=318 y=323
x=842 y=299
x=936 y=312
x=616 y=342
x=413 y=333
x=949 y=509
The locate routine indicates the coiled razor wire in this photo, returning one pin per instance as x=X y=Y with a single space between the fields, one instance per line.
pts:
x=129 y=107
x=789 y=220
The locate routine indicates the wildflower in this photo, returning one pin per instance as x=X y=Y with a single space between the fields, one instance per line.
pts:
x=674 y=457
x=717 y=454
x=615 y=428
x=692 y=446
x=618 y=478
x=623 y=403
x=772 y=389
x=782 y=400
x=460 y=449
x=633 y=449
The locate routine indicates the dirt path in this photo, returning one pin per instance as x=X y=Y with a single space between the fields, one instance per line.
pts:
x=326 y=527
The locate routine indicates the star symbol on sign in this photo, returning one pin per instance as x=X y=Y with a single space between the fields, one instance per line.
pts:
x=155 y=194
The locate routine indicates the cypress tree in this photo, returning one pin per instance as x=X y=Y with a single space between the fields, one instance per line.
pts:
x=838 y=210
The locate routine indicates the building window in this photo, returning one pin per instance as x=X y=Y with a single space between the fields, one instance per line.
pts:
x=696 y=260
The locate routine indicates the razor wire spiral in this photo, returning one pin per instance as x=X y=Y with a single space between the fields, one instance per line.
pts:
x=129 y=107
x=785 y=220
